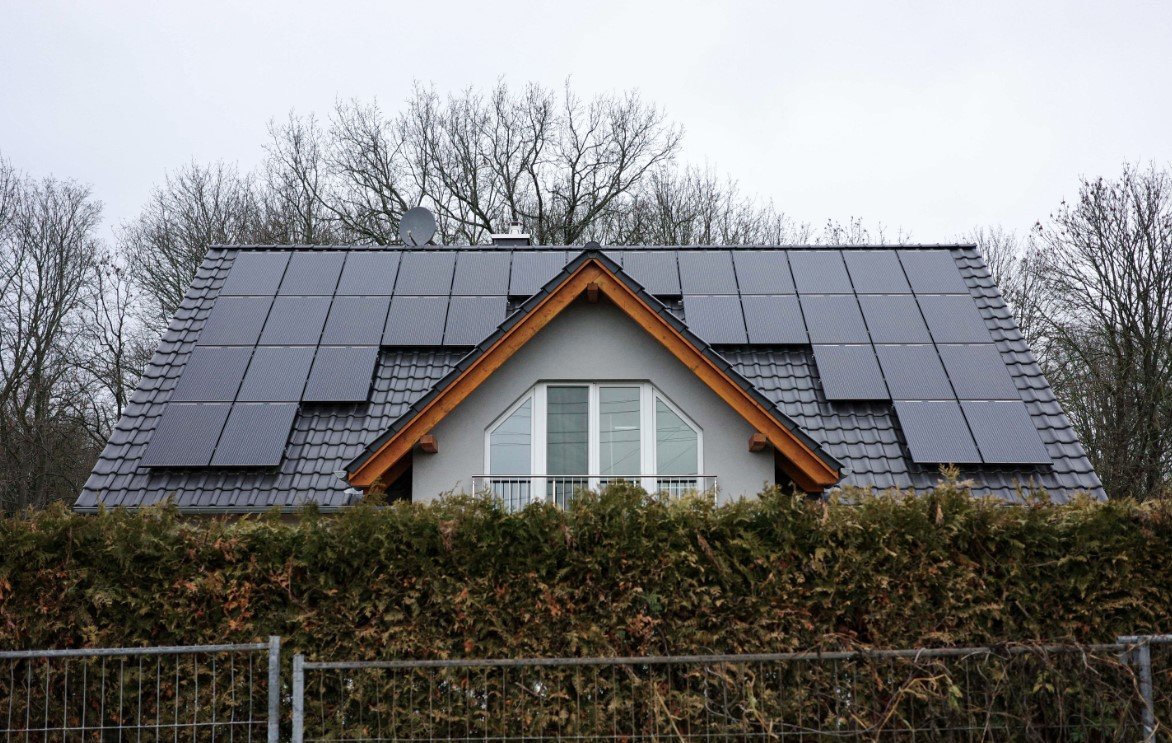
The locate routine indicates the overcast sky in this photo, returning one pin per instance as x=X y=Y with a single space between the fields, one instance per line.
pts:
x=930 y=116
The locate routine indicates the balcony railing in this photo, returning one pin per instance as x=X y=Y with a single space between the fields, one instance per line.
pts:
x=518 y=491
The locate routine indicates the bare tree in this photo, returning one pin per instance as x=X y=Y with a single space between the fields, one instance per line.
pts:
x=47 y=258
x=197 y=206
x=569 y=169
x=694 y=206
x=294 y=179
x=1106 y=269
x=371 y=182
x=556 y=162
x=115 y=346
x=854 y=231
x=1015 y=264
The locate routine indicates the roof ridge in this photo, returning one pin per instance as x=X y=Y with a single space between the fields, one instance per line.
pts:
x=575 y=248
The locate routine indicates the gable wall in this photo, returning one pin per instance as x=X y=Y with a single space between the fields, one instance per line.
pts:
x=591 y=343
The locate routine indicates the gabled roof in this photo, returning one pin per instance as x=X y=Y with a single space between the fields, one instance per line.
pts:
x=800 y=456
x=781 y=362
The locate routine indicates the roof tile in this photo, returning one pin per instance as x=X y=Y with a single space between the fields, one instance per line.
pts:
x=865 y=436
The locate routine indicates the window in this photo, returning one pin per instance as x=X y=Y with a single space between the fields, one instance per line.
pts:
x=562 y=437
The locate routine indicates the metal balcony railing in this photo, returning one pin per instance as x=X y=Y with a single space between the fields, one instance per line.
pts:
x=518 y=491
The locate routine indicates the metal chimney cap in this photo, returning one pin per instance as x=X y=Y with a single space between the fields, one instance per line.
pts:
x=515 y=236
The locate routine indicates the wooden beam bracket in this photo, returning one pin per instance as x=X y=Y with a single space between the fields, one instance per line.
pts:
x=592 y=292
x=757 y=442
x=427 y=444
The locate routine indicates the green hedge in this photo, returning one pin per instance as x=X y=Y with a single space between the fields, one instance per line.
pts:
x=617 y=574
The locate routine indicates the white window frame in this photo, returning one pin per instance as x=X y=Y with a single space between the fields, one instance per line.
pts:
x=648 y=395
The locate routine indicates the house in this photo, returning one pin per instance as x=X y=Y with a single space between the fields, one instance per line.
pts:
x=313 y=374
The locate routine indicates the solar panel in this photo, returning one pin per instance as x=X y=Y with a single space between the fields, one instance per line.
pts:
x=893 y=318
x=914 y=373
x=1005 y=432
x=186 y=435
x=212 y=374
x=655 y=270
x=850 y=373
x=472 y=319
x=763 y=272
x=416 y=321
x=482 y=272
x=276 y=374
x=296 y=321
x=532 y=270
x=426 y=272
x=954 y=319
x=255 y=435
x=936 y=432
x=341 y=374
x=369 y=273
x=313 y=273
x=834 y=318
x=876 y=272
x=774 y=319
x=933 y=272
x=235 y=321
x=820 y=272
x=707 y=272
x=356 y=321
x=978 y=372
x=716 y=319
x=255 y=272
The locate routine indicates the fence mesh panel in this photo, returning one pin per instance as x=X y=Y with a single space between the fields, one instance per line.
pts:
x=135 y=695
x=1018 y=694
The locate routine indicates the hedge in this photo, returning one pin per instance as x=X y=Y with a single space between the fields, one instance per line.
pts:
x=617 y=573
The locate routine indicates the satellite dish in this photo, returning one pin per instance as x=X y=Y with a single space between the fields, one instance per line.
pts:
x=417 y=227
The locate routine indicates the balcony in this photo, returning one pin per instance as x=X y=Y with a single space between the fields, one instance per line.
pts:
x=518 y=491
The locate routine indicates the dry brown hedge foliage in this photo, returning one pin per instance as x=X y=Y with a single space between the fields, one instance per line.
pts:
x=618 y=573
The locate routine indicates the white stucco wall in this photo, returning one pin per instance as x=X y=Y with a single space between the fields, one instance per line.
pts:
x=592 y=342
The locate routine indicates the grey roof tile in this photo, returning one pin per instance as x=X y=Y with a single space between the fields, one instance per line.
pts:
x=864 y=435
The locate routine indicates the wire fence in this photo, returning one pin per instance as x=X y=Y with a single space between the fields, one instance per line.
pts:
x=196 y=693
x=1119 y=691
x=1019 y=693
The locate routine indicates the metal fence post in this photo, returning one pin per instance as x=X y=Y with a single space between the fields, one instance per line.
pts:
x=298 y=698
x=1141 y=655
x=274 y=720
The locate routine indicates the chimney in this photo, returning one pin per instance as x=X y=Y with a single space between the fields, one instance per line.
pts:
x=514 y=237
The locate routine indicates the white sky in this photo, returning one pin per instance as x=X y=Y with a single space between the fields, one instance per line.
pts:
x=930 y=116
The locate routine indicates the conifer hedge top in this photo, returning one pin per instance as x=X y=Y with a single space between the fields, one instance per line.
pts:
x=619 y=573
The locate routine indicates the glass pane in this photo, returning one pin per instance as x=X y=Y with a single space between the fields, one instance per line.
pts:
x=510 y=444
x=618 y=412
x=676 y=444
x=567 y=428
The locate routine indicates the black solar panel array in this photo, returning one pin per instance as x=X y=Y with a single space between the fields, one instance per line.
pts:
x=949 y=384
x=287 y=327
x=305 y=326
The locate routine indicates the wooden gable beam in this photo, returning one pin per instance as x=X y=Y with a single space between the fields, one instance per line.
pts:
x=800 y=462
